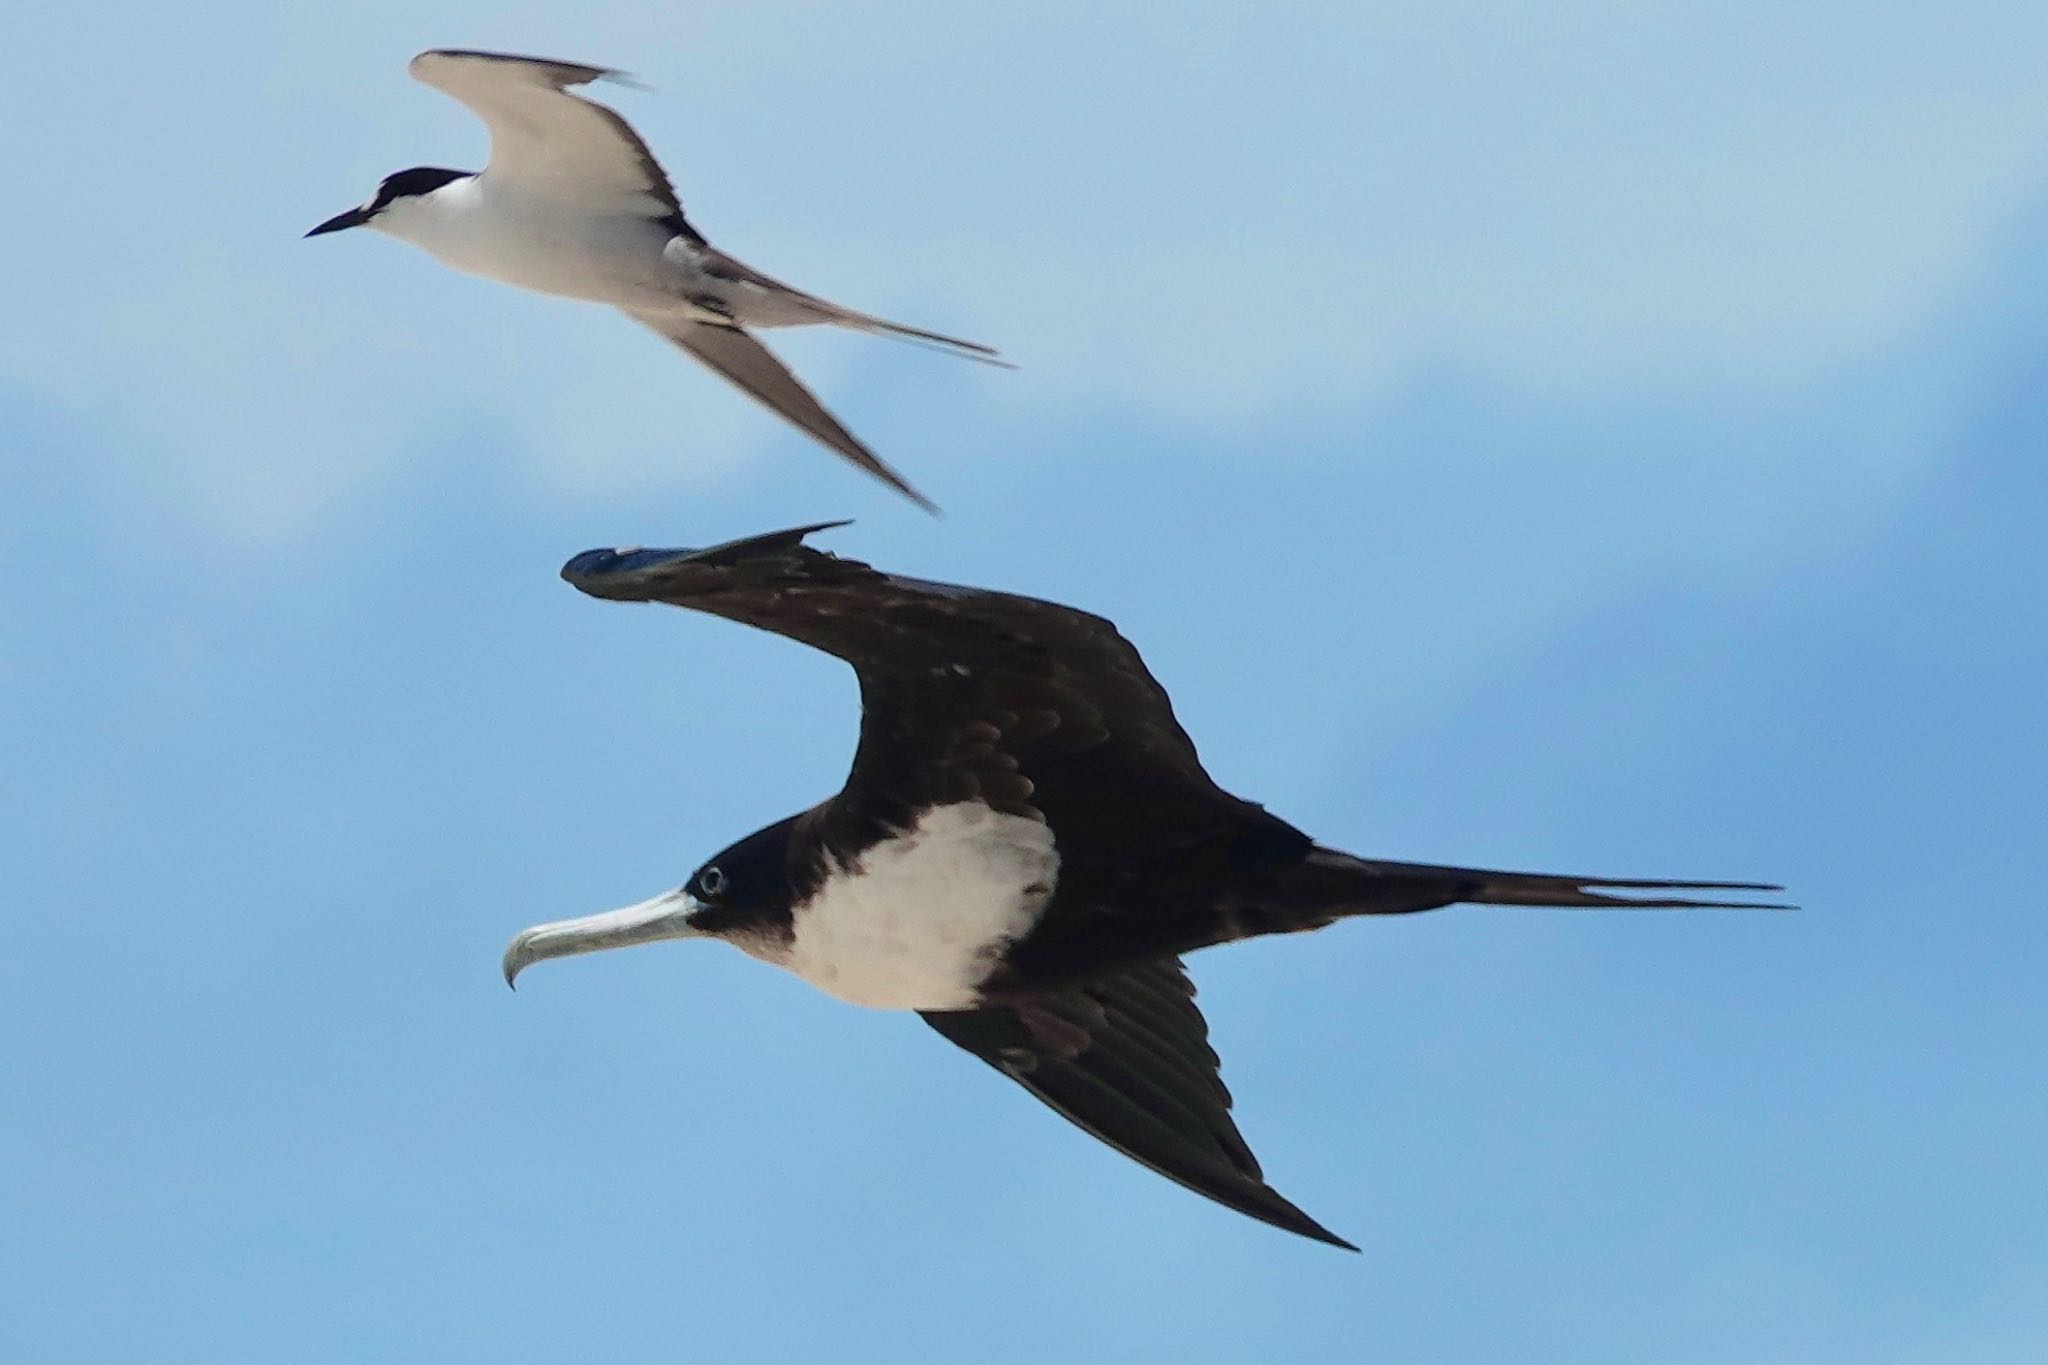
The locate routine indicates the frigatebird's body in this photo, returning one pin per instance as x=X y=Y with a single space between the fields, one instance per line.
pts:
x=1024 y=848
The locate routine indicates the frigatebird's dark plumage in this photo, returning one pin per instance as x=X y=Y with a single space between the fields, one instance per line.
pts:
x=1026 y=845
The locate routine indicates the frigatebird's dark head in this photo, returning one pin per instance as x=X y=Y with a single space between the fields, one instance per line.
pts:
x=746 y=889
x=741 y=895
x=396 y=193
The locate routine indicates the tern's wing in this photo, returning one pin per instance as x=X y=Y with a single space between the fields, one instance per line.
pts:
x=543 y=135
x=741 y=359
x=1127 y=1059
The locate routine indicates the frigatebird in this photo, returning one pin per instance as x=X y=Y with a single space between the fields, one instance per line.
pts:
x=1025 y=848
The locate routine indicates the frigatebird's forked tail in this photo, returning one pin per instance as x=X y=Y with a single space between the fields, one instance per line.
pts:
x=1331 y=884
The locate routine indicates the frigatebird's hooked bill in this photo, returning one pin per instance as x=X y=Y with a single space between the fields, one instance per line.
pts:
x=1025 y=847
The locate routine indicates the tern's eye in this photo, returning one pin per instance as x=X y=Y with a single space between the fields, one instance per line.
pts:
x=711 y=881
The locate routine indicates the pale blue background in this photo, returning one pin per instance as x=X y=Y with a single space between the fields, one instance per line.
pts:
x=1604 y=437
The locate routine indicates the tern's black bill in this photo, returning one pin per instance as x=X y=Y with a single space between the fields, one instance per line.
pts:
x=354 y=217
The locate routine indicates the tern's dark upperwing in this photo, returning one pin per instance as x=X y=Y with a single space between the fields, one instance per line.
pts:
x=1126 y=1058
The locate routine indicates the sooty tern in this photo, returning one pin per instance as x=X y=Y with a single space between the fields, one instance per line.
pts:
x=572 y=203
x=1026 y=845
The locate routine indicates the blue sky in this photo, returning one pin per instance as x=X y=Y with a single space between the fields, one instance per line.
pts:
x=1601 y=438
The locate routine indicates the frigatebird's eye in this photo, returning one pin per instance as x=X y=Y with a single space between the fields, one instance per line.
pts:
x=711 y=881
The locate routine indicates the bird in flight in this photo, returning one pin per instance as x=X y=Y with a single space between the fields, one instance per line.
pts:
x=571 y=202
x=1025 y=847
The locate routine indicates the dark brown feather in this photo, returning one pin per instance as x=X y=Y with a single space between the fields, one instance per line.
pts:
x=1132 y=1087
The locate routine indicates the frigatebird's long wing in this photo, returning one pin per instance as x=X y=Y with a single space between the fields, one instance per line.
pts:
x=542 y=136
x=1033 y=708
x=1127 y=1059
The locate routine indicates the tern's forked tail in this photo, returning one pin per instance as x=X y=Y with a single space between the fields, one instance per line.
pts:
x=918 y=336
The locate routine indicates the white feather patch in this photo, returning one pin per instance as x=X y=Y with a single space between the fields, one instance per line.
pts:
x=921 y=919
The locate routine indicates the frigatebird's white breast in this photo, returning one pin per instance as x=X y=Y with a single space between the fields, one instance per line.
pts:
x=919 y=919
